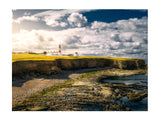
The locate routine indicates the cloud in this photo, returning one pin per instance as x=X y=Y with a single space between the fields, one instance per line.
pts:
x=27 y=13
x=77 y=20
x=65 y=18
x=26 y=18
x=33 y=40
x=58 y=18
x=99 y=25
x=124 y=38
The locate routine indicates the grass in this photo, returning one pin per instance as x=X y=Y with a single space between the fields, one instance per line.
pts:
x=87 y=74
x=53 y=88
x=62 y=85
x=36 y=97
x=40 y=57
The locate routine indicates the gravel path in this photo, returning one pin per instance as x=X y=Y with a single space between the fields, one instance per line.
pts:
x=23 y=88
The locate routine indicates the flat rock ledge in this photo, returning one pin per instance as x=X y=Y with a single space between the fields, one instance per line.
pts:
x=86 y=93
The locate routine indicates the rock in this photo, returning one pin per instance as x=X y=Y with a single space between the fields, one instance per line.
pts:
x=114 y=107
x=119 y=96
x=117 y=90
x=27 y=67
x=107 y=106
x=141 y=64
x=128 y=109
x=113 y=96
x=136 y=93
x=48 y=103
x=55 y=70
x=94 y=88
x=136 y=97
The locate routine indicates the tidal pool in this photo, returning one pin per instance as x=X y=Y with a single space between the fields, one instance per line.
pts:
x=140 y=80
x=128 y=80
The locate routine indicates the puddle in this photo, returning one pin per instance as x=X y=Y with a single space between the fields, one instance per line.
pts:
x=135 y=106
x=140 y=80
x=130 y=80
x=73 y=88
x=83 y=91
x=92 y=108
x=135 y=90
x=69 y=92
x=69 y=97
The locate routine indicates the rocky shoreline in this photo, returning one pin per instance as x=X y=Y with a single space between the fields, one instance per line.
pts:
x=26 y=86
x=86 y=93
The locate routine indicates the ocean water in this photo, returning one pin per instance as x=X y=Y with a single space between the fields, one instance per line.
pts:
x=135 y=79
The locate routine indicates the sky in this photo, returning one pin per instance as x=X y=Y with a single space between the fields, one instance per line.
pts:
x=90 y=32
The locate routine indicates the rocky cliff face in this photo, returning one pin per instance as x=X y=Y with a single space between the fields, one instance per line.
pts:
x=130 y=65
x=71 y=64
x=21 y=68
x=33 y=67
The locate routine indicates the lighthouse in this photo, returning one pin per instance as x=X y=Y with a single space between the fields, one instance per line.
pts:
x=59 y=51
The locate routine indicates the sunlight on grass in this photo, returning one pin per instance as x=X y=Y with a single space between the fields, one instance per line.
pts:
x=40 y=57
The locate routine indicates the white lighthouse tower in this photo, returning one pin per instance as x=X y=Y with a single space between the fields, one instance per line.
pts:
x=59 y=51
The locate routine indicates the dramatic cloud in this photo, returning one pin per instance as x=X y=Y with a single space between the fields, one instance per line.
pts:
x=77 y=20
x=57 y=18
x=124 y=38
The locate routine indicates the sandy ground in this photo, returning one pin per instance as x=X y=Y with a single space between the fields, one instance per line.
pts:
x=23 y=88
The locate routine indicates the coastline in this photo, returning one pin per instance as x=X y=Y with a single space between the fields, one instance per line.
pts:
x=30 y=85
x=81 y=82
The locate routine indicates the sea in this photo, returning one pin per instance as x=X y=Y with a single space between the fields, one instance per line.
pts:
x=134 y=79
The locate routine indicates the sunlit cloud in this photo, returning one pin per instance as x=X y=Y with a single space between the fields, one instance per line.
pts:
x=26 y=18
x=123 y=38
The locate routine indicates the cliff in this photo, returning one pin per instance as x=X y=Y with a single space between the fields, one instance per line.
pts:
x=21 y=68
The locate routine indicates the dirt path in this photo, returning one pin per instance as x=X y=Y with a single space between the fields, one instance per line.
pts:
x=23 y=88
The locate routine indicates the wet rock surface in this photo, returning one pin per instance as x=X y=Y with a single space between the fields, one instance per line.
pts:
x=29 y=85
x=87 y=94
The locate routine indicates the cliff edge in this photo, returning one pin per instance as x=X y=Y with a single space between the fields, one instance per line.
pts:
x=21 y=68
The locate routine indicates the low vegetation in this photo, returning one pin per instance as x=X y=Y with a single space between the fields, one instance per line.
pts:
x=41 y=57
x=63 y=85
x=85 y=93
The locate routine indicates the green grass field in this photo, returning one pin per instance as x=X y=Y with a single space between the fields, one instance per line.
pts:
x=40 y=57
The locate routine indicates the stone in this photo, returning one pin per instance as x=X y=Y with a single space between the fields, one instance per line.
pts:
x=136 y=97
x=94 y=88
x=128 y=109
x=117 y=90
x=119 y=96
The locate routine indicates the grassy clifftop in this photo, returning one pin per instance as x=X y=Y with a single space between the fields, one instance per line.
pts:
x=24 y=64
x=38 y=57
